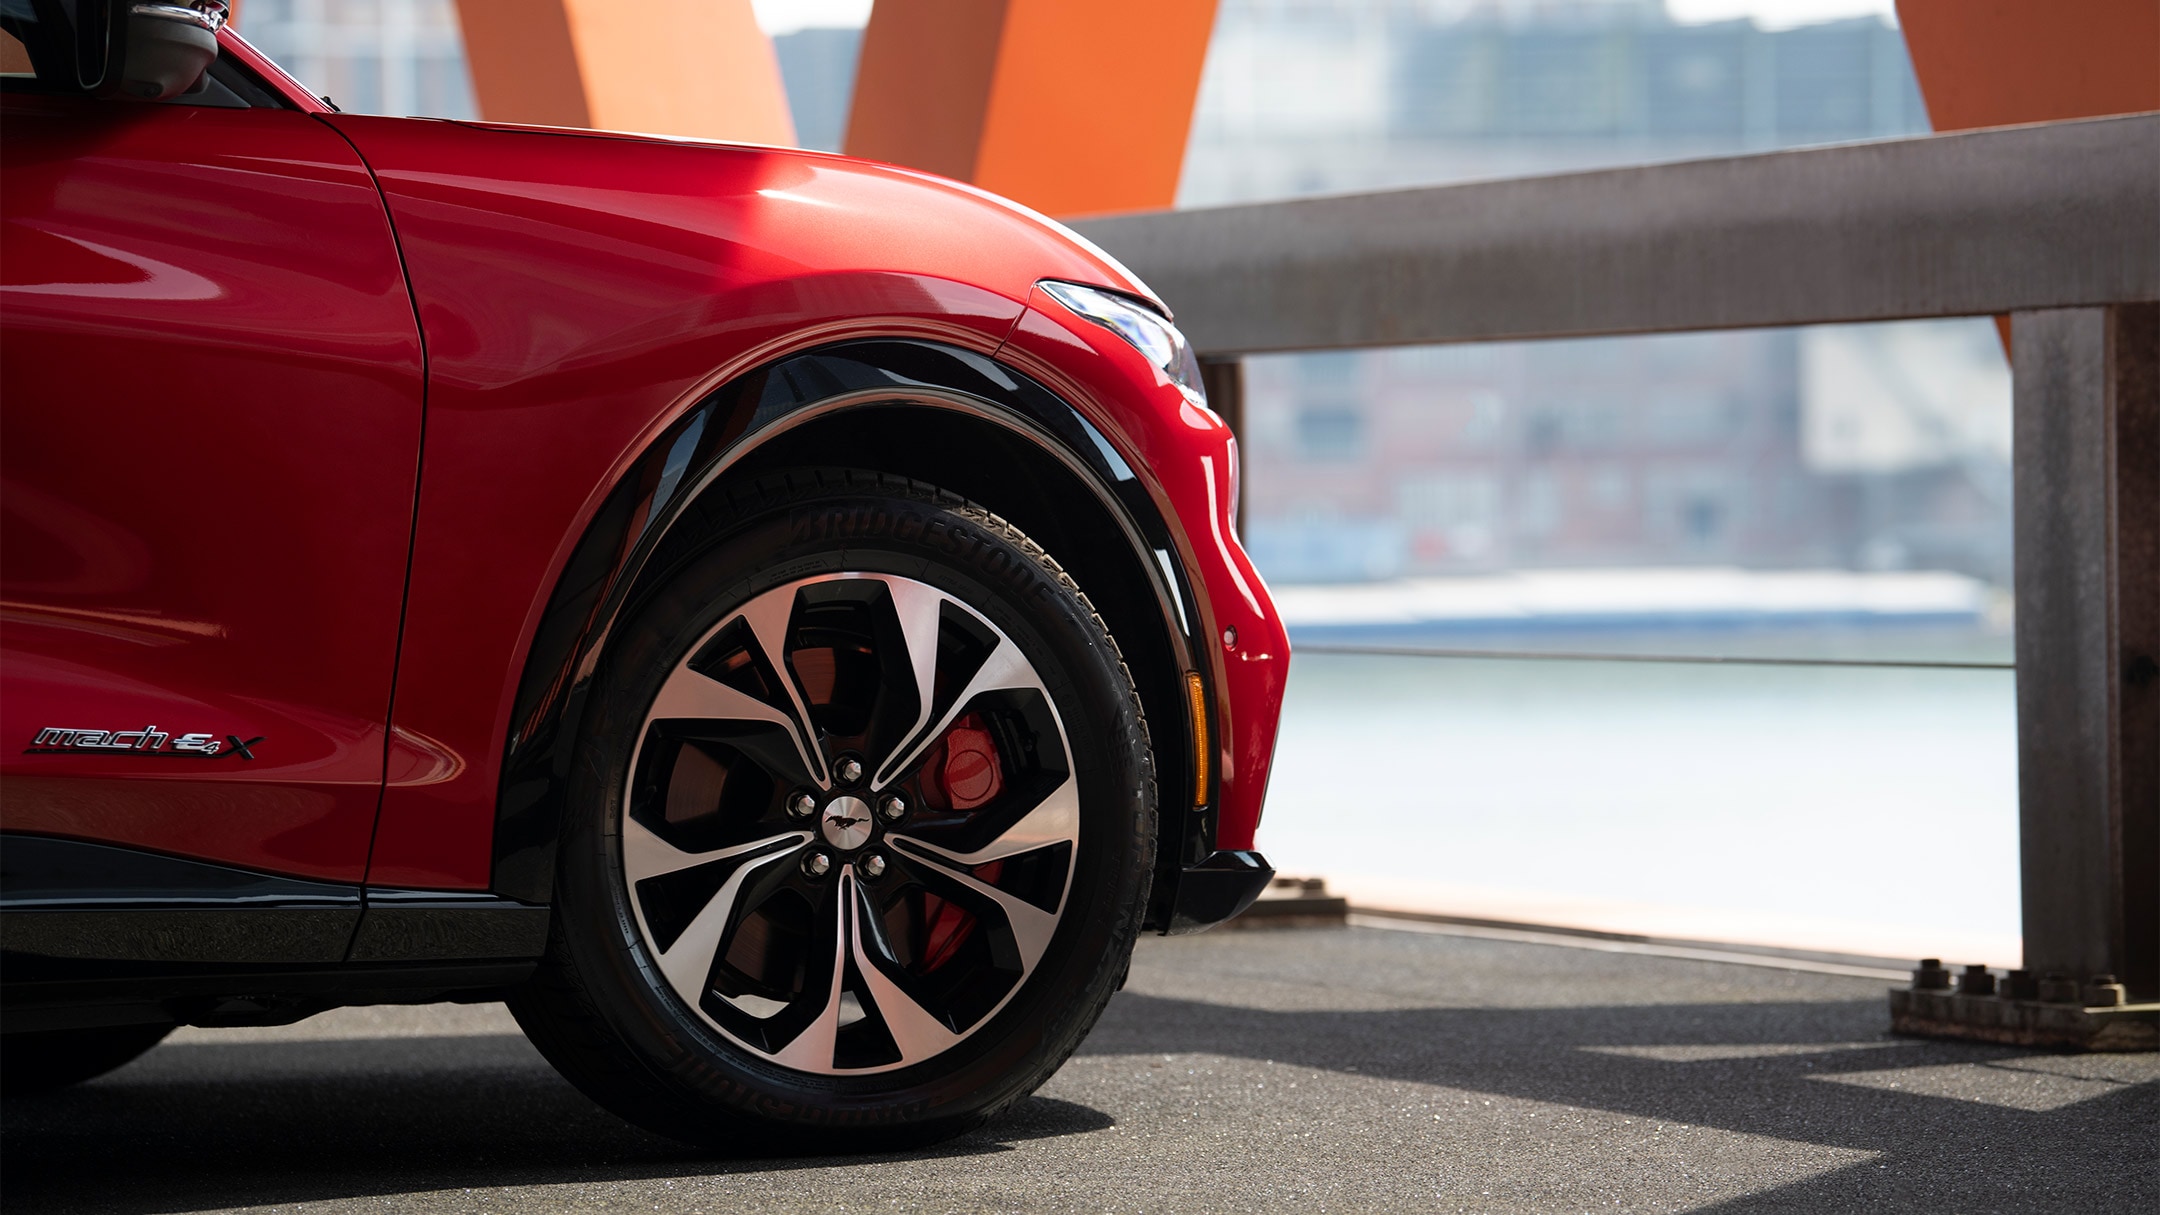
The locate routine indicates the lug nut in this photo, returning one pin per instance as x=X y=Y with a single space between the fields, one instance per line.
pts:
x=873 y=866
x=802 y=805
x=1931 y=976
x=893 y=809
x=850 y=770
x=817 y=864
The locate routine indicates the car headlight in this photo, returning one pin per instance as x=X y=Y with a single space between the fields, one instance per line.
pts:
x=1149 y=332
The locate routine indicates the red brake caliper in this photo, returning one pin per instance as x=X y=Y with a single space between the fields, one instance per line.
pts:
x=968 y=773
x=962 y=774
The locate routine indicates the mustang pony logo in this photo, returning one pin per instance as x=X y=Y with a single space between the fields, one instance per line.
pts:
x=846 y=822
x=147 y=741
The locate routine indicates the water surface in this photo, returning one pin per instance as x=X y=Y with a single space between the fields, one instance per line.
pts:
x=1885 y=797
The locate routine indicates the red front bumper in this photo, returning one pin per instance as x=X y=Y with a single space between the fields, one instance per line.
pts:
x=1187 y=458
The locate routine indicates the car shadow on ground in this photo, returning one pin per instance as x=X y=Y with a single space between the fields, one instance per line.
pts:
x=212 y=1125
x=204 y=1126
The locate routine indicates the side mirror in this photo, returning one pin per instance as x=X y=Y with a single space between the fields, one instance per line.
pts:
x=147 y=50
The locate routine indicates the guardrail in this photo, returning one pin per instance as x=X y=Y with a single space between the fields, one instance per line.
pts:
x=2052 y=216
x=2058 y=224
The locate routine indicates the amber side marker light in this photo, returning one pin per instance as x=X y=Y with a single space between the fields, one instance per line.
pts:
x=1196 y=699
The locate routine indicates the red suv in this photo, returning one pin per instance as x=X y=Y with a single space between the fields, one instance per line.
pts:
x=775 y=620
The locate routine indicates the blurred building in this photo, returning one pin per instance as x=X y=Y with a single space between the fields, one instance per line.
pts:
x=1309 y=96
x=1873 y=448
x=369 y=56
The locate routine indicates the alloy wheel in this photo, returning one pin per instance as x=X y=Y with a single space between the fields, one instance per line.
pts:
x=851 y=824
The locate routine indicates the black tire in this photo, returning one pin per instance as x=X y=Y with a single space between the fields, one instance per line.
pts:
x=41 y=1062
x=602 y=1011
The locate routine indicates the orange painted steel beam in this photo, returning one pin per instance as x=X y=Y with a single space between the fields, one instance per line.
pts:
x=1072 y=108
x=665 y=67
x=1994 y=63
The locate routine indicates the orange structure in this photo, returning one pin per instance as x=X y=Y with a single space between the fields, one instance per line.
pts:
x=1072 y=108
x=668 y=67
x=1991 y=63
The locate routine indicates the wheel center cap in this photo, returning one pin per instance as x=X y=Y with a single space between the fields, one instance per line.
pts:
x=846 y=822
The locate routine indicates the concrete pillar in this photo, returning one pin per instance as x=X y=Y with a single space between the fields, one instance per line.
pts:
x=2087 y=459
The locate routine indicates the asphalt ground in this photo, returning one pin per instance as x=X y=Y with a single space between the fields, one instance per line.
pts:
x=1356 y=1069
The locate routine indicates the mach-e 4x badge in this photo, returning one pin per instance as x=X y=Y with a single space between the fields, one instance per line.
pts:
x=147 y=741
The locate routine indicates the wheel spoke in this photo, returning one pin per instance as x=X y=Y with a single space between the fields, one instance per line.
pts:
x=688 y=962
x=920 y=608
x=915 y=1030
x=1006 y=669
x=1031 y=926
x=812 y=1049
x=768 y=616
x=1055 y=819
x=646 y=855
x=692 y=696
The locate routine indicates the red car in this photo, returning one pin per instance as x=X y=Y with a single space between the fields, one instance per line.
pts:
x=774 y=619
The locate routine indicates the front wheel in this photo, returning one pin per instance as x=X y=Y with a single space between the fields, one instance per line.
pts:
x=862 y=825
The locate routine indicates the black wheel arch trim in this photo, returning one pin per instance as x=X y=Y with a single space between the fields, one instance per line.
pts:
x=722 y=436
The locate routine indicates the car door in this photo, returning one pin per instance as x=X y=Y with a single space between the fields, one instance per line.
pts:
x=210 y=419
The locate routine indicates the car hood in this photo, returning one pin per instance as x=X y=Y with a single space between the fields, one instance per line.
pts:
x=1064 y=253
